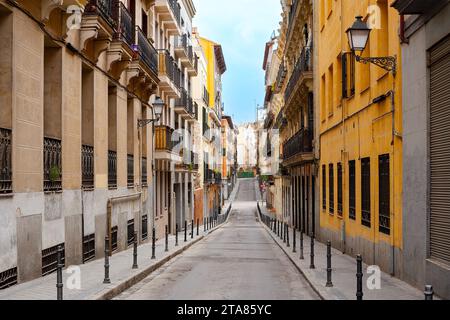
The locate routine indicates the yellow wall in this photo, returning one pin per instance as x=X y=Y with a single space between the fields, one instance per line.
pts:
x=208 y=49
x=354 y=128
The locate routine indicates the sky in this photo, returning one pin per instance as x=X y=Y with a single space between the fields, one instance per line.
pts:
x=242 y=27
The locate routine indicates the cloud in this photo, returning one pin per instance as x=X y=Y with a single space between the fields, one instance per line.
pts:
x=242 y=27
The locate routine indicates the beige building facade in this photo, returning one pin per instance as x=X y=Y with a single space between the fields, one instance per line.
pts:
x=76 y=76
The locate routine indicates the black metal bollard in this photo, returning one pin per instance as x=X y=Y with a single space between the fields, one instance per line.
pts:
x=59 y=280
x=106 y=280
x=301 y=245
x=167 y=238
x=192 y=229
x=204 y=224
x=284 y=232
x=359 y=278
x=176 y=235
x=153 y=243
x=311 y=265
x=287 y=236
x=185 y=230
x=198 y=226
x=135 y=245
x=294 y=241
x=429 y=293
x=329 y=270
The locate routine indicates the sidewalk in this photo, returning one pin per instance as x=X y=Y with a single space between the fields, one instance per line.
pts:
x=343 y=274
x=121 y=274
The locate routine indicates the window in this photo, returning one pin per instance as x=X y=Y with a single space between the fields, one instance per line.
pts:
x=144 y=176
x=5 y=162
x=130 y=170
x=330 y=91
x=352 y=189
x=144 y=227
x=384 y=195
x=50 y=259
x=52 y=165
x=365 y=192
x=339 y=181
x=130 y=232
x=112 y=169
x=323 y=101
x=114 y=231
x=331 y=187
x=88 y=247
x=87 y=166
x=324 y=188
x=348 y=75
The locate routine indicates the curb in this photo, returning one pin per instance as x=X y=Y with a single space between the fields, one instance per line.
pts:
x=312 y=285
x=109 y=294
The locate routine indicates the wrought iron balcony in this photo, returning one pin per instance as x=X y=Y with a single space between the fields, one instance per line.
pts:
x=291 y=19
x=170 y=14
x=5 y=162
x=112 y=169
x=147 y=51
x=303 y=64
x=300 y=143
x=87 y=166
x=281 y=76
x=163 y=138
x=181 y=46
x=126 y=26
x=169 y=73
x=52 y=165
x=104 y=8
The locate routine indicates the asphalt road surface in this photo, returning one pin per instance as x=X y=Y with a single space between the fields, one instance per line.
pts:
x=239 y=261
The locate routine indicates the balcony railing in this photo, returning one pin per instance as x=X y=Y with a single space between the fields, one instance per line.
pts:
x=5 y=162
x=130 y=170
x=104 y=8
x=173 y=4
x=292 y=16
x=126 y=26
x=87 y=166
x=206 y=96
x=52 y=165
x=303 y=64
x=112 y=169
x=163 y=138
x=300 y=143
x=147 y=51
x=181 y=42
x=168 y=67
x=281 y=76
x=195 y=110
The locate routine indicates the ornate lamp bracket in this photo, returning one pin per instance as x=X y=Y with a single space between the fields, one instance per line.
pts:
x=143 y=122
x=388 y=63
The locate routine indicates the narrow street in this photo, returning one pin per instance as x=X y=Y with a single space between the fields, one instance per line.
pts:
x=237 y=261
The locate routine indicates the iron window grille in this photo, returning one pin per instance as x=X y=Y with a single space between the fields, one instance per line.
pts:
x=87 y=166
x=112 y=169
x=88 y=248
x=365 y=192
x=331 y=187
x=130 y=170
x=352 y=189
x=8 y=278
x=144 y=227
x=144 y=172
x=130 y=232
x=50 y=259
x=114 y=232
x=339 y=181
x=324 y=187
x=5 y=162
x=384 y=195
x=52 y=165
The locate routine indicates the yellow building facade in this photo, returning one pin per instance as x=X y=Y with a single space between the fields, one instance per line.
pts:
x=359 y=120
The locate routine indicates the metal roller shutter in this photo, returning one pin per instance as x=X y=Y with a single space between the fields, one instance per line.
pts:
x=440 y=151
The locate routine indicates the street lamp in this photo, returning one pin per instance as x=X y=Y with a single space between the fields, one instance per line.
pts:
x=358 y=37
x=158 y=106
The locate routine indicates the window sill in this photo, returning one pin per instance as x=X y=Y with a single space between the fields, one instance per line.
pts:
x=87 y=189
x=6 y=195
x=53 y=192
